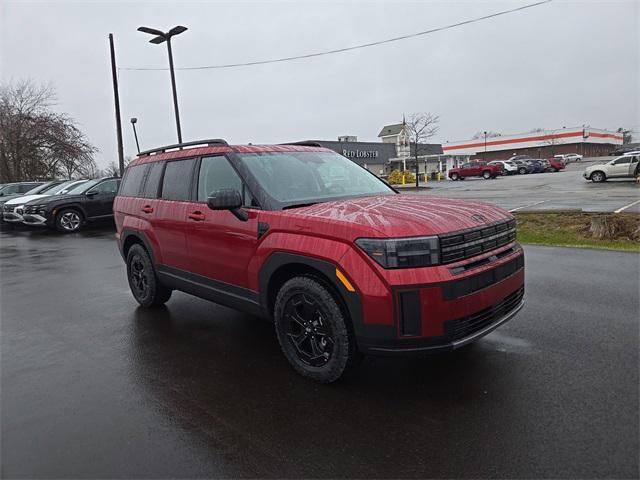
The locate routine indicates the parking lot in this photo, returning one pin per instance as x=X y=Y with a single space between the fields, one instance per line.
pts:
x=547 y=191
x=93 y=386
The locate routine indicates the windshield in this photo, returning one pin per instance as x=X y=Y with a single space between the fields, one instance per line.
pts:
x=82 y=187
x=310 y=177
x=66 y=187
x=42 y=188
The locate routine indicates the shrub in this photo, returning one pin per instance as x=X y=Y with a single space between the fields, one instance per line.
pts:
x=395 y=177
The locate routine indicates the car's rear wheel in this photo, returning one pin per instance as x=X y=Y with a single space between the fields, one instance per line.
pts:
x=486 y=174
x=455 y=176
x=312 y=330
x=598 y=177
x=143 y=280
x=69 y=220
x=522 y=170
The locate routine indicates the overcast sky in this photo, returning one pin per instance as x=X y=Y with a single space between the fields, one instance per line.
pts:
x=559 y=64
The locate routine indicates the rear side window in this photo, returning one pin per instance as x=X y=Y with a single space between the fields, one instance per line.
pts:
x=132 y=181
x=176 y=184
x=152 y=184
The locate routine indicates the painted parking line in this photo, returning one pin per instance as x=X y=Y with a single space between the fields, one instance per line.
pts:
x=527 y=206
x=626 y=206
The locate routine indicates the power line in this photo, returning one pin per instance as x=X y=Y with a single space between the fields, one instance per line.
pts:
x=346 y=49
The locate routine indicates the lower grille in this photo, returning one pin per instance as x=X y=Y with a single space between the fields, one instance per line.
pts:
x=463 y=327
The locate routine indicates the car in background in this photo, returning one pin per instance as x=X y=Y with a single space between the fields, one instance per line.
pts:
x=13 y=210
x=67 y=213
x=535 y=165
x=507 y=167
x=519 y=157
x=523 y=167
x=625 y=166
x=475 y=169
x=555 y=164
x=13 y=190
x=628 y=148
x=632 y=152
x=569 y=157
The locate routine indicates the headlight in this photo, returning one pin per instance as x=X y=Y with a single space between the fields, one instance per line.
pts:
x=402 y=252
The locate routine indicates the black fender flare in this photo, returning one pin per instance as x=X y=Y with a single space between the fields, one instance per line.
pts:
x=128 y=233
x=351 y=300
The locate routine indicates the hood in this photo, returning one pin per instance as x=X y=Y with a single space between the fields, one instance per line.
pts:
x=6 y=198
x=23 y=199
x=405 y=215
x=45 y=199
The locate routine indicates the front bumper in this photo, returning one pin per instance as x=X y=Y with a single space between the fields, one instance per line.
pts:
x=34 y=219
x=453 y=306
x=12 y=217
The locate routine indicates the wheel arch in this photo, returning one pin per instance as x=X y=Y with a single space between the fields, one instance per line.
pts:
x=130 y=238
x=281 y=266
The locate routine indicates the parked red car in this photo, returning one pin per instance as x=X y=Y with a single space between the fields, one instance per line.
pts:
x=555 y=164
x=341 y=262
x=475 y=169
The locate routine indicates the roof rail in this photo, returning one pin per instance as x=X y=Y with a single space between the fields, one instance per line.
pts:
x=210 y=142
x=304 y=143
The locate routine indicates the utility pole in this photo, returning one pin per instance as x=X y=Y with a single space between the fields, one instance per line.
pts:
x=116 y=98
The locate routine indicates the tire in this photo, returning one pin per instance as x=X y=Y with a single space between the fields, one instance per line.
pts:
x=553 y=170
x=143 y=280
x=522 y=170
x=313 y=330
x=486 y=174
x=69 y=220
x=598 y=177
x=455 y=176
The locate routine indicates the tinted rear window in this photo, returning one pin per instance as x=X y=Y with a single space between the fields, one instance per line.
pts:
x=152 y=184
x=176 y=184
x=132 y=181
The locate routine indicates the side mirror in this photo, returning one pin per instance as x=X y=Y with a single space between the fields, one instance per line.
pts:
x=227 y=199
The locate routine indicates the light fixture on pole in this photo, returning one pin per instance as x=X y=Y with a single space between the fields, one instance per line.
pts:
x=159 y=38
x=134 y=120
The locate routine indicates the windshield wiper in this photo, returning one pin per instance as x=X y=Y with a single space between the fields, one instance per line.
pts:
x=299 y=205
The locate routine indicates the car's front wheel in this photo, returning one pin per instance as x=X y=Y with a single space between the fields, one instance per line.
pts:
x=143 y=281
x=312 y=330
x=69 y=220
x=455 y=176
x=486 y=174
x=522 y=170
x=598 y=177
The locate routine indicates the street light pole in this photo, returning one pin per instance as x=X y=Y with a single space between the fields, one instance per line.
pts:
x=135 y=134
x=485 y=146
x=166 y=37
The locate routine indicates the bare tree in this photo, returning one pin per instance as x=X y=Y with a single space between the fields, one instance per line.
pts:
x=490 y=134
x=421 y=127
x=35 y=141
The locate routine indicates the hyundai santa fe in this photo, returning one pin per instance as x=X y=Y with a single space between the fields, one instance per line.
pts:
x=341 y=262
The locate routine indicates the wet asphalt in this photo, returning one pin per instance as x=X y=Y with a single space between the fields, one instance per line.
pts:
x=93 y=386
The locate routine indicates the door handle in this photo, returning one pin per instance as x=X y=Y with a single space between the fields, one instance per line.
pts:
x=147 y=209
x=197 y=216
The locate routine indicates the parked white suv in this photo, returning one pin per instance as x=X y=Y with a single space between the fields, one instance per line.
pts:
x=508 y=168
x=569 y=157
x=13 y=210
x=625 y=166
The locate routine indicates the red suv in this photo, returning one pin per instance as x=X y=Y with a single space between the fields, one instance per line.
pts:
x=342 y=263
x=475 y=169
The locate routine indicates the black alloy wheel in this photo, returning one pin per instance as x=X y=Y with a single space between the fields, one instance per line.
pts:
x=308 y=331
x=312 y=330
x=143 y=282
